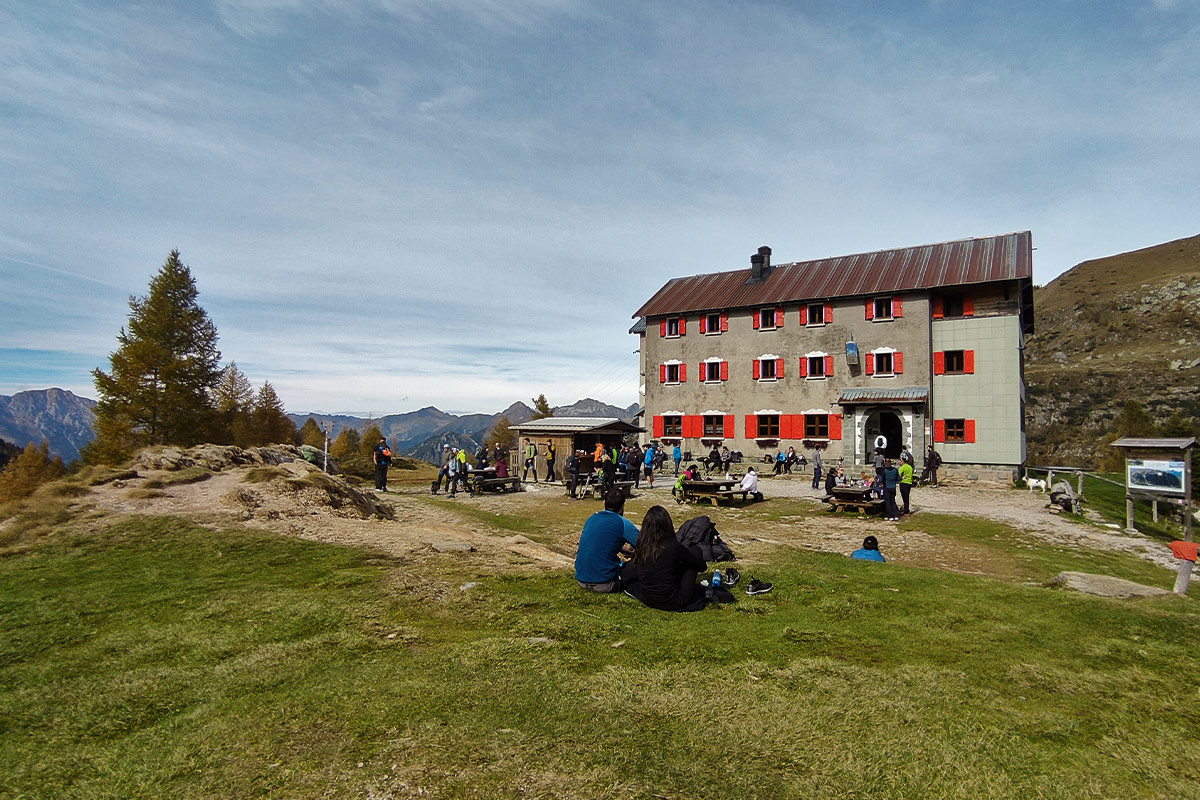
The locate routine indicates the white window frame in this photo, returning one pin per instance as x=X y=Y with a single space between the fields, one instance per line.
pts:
x=676 y=364
x=876 y=316
x=891 y=353
x=763 y=359
x=709 y=328
x=808 y=357
x=762 y=326
x=820 y=321
x=709 y=363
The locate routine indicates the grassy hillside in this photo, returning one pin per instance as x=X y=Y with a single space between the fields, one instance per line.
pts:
x=1121 y=328
x=153 y=657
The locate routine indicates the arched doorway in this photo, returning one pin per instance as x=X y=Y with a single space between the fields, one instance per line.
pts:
x=887 y=424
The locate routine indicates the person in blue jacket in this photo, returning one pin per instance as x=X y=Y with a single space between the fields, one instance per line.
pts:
x=605 y=534
x=869 y=551
x=676 y=456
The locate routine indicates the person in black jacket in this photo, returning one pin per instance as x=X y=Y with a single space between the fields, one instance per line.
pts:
x=662 y=573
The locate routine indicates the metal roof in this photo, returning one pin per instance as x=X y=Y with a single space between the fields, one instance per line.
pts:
x=575 y=425
x=897 y=394
x=639 y=326
x=1158 y=444
x=966 y=261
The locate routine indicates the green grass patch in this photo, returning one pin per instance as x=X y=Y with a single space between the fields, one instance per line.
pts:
x=161 y=659
x=1109 y=501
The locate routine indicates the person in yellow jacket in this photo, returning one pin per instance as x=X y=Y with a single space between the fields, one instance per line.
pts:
x=530 y=454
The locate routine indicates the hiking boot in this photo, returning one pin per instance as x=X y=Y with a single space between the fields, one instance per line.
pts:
x=758 y=587
x=732 y=576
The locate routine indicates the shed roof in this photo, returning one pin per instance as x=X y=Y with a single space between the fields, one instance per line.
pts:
x=896 y=394
x=575 y=425
x=965 y=261
x=1156 y=444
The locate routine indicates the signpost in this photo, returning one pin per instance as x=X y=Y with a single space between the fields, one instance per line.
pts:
x=1158 y=470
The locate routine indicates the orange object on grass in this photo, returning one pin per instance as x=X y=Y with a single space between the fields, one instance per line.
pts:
x=1185 y=551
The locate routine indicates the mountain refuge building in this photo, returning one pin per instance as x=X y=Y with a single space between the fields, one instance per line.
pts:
x=919 y=345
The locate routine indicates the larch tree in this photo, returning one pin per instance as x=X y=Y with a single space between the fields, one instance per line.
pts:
x=501 y=434
x=311 y=434
x=541 y=408
x=269 y=422
x=29 y=470
x=233 y=402
x=159 y=387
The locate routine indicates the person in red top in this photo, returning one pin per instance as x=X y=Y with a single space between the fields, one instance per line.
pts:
x=501 y=467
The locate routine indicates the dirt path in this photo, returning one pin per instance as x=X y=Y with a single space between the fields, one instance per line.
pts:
x=422 y=526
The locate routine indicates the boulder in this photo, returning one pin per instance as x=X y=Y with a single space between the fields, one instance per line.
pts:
x=1103 y=585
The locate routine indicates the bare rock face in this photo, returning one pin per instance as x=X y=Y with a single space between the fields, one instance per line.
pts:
x=1103 y=585
x=215 y=457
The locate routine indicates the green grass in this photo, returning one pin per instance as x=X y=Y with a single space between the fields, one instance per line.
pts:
x=1109 y=501
x=161 y=659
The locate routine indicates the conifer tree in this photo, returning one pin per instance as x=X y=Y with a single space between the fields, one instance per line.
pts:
x=269 y=422
x=163 y=372
x=502 y=434
x=541 y=408
x=233 y=401
x=370 y=438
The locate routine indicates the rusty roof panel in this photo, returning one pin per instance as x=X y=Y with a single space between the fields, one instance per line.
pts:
x=967 y=261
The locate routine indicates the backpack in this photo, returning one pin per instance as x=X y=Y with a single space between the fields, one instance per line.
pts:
x=700 y=532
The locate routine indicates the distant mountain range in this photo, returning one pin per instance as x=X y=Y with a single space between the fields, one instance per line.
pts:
x=65 y=420
x=60 y=417
x=421 y=434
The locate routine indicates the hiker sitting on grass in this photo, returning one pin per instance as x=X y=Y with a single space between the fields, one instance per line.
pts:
x=605 y=534
x=869 y=551
x=662 y=573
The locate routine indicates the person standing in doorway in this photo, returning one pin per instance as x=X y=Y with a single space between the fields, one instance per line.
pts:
x=551 y=453
x=383 y=459
x=530 y=456
x=818 y=463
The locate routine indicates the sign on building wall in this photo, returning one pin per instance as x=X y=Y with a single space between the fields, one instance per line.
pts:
x=1160 y=477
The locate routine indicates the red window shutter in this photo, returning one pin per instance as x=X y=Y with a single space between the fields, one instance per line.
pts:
x=662 y=327
x=828 y=366
x=968 y=306
x=703 y=372
x=657 y=427
x=803 y=315
x=754 y=319
x=968 y=430
x=785 y=426
x=969 y=362
x=939 y=363
x=683 y=373
x=779 y=368
x=724 y=322
x=662 y=373
x=803 y=373
x=828 y=312
x=939 y=430
x=704 y=323
x=870 y=363
x=937 y=311
x=725 y=375
x=835 y=426
x=751 y=426
x=779 y=318
x=897 y=307
x=897 y=362
x=727 y=426
x=870 y=308
x=683 y=326
x=754 y=370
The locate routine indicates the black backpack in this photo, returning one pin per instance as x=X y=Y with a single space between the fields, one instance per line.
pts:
x=700 y=532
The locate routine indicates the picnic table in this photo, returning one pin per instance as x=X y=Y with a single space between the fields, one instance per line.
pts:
x=859 y=498
x=713 y=491
x=594 y=484
x=485 y=480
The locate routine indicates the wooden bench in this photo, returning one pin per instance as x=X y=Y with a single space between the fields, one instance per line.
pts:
x=626 y=487
x=510 y=484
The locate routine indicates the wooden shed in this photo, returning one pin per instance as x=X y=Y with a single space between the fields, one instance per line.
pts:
x=568 y=434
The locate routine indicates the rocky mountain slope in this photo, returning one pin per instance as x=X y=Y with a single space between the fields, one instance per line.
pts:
x=56 y=415
x=1126 y=327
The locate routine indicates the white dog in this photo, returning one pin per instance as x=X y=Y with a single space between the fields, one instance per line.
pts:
x=1035 y=483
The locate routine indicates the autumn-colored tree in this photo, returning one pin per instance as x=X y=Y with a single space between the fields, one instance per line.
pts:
x=502 y=434
x=346 y=448
x=29 y=470
x=163 y=371
x=311 y=434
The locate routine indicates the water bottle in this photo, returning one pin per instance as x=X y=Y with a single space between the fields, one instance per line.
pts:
x=716 y=579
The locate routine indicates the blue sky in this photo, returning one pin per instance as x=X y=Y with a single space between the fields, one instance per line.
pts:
x=388 y=204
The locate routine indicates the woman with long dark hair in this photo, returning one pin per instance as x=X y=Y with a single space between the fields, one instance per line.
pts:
x=662 y=573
